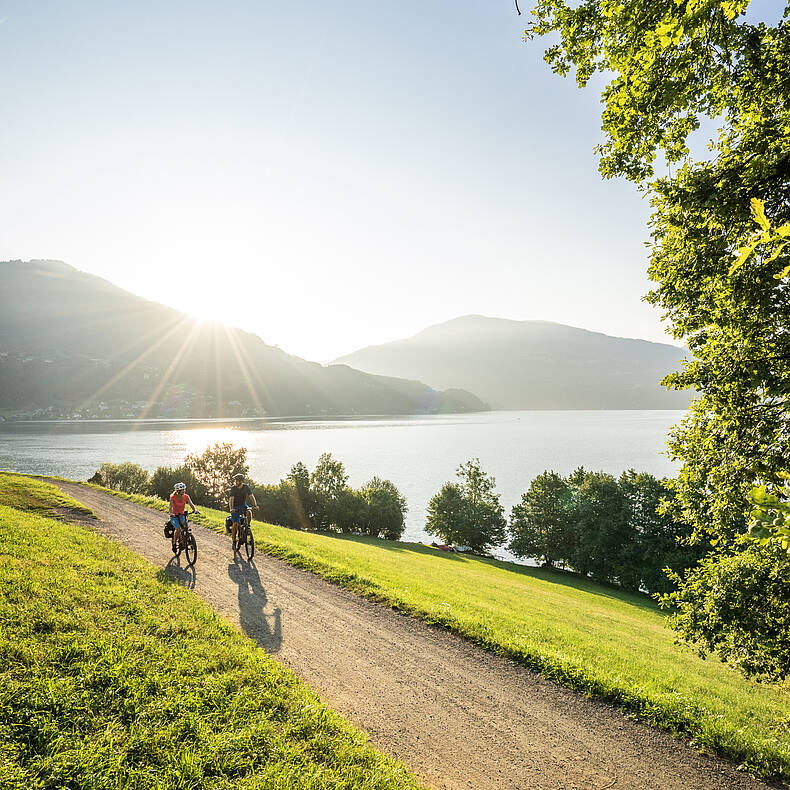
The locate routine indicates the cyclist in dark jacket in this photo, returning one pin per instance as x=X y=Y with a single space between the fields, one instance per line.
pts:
x=238 y=495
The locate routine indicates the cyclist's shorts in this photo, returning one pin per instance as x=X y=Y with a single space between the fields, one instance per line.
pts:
x=178 y=520
x=235 y=514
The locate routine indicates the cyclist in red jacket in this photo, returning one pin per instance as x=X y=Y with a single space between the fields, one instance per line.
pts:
x=179 y=500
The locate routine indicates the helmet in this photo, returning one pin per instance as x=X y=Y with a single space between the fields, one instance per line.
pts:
x=180 y=487
x=238 y=476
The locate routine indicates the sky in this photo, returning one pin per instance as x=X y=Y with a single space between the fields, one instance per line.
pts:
x=326 y=175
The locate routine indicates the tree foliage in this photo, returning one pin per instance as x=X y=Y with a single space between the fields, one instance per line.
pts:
x=323 y=500
x=215 y=467
x=468 y=513
x=328 y=483
x=770 y=518
x=541 y=525
x=386 y=508
x=718 y=256
x=127 y=476
x=164 y=478
x=738 y=604
x=606 y=528
x=299 y=497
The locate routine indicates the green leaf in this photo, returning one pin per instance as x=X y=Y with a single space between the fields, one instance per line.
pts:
x=758 y=211
x=745 y=252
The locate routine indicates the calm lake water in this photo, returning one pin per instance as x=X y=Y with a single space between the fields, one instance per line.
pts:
x=417 y=453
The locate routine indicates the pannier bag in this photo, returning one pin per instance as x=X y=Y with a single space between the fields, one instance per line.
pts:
x=169 y=530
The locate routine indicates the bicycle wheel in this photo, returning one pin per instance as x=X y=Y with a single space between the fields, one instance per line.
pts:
x=191 y=549
x=249 y=543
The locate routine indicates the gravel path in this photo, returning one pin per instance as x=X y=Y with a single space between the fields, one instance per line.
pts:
x=456 y=715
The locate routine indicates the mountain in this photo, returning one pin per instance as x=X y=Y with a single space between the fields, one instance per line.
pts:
x=72 y=344
x=531 y=365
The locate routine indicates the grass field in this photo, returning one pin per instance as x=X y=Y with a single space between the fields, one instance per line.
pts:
x=34 y=496
x=114 y=676
x=596 y=639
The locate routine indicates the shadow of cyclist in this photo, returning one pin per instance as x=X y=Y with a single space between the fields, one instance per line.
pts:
x=184 y=575
x=265 y=629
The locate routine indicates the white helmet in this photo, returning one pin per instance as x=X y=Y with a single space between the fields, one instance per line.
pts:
x=180 y=487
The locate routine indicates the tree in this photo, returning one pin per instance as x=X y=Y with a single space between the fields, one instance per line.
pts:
x=770 y=518
x=604 y=536
x=299 y=496
x=660 y=542
x=350 y=511
x=541 y=525
x=447 y=515
x=327 y=484
x=273 y=505
x=215 y=469
x=386 y=511
x=725 y=296
x=738 y=604
x=164 y=478
x=128 y=477
x=468 y=514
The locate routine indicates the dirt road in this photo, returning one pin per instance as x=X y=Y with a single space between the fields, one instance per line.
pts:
x=457 y=716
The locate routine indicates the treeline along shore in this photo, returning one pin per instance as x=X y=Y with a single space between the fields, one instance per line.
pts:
x=620 y=531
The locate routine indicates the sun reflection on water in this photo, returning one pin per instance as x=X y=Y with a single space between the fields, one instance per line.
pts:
x=196 y=440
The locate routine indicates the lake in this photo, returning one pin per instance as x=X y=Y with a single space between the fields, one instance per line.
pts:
x=418 y=454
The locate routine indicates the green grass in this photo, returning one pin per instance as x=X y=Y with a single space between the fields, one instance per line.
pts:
x=603 y=642
x=34 y=496
x=114 y=676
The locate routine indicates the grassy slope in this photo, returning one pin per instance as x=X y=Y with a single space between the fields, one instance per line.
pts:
x=596 y=639
x=34 y=496
x=112 y=675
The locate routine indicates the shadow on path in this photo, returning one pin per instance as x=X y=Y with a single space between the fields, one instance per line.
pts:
x=265 y=629
x=183 y=574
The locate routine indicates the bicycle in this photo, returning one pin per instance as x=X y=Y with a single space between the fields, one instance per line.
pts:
x=186 y=543
x=244 y=535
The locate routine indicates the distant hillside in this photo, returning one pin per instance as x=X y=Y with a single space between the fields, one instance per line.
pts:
x=74 y=344
x=531 y=365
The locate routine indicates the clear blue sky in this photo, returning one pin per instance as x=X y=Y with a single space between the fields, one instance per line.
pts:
x=363 y=169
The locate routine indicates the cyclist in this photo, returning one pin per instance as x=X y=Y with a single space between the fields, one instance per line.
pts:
x=179 y=500
x=238 y=495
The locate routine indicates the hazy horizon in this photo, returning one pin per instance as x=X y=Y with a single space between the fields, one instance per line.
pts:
x=365 y=170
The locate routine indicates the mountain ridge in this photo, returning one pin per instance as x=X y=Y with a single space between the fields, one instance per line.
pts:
x=531 y=364
x=83 y=347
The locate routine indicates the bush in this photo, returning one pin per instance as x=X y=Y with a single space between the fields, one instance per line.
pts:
x=128 y=477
